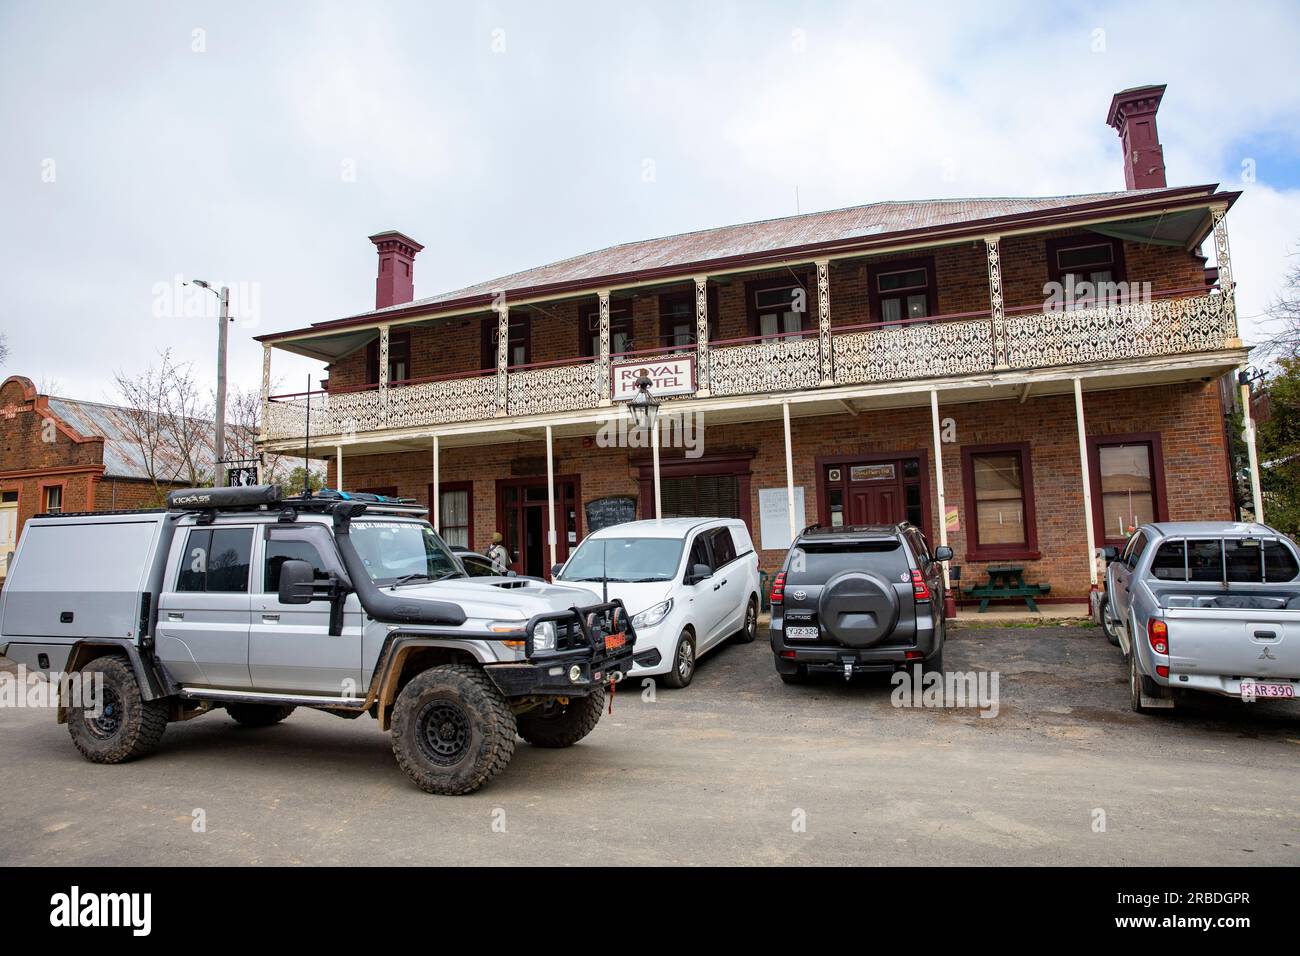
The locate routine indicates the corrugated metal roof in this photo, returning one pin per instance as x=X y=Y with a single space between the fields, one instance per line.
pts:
x=123 y=456
x=854 y=222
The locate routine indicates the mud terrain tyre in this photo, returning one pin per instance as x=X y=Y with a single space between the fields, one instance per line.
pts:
x=563 y=725
x=128 y=727
x=258 y=715
x=453 y=731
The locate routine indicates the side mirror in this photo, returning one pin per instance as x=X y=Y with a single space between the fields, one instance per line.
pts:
x=700 y=572
x=1110 y=553
x=556 y=569
x=296 y=582
x=943 y=553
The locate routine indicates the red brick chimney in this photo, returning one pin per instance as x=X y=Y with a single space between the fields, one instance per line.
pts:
x=1133 y=116
x=395 y=284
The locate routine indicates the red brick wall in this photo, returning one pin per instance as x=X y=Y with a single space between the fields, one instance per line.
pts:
x=1187 y=416
x=29 y=463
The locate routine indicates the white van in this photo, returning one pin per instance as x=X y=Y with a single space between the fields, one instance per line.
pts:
x=689 y=584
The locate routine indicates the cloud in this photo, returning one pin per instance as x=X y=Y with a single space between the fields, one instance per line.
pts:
x=506 y=135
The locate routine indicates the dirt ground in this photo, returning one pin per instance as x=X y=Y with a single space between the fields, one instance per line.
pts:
x=736 y=769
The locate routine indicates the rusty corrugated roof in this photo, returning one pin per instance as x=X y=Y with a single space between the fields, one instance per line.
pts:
x=123 y=457
x=854 y=222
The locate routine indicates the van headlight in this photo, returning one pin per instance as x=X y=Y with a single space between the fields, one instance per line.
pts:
x=544 y=636
x=653 y=615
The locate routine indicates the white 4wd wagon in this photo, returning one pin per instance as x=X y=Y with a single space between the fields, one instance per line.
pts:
x=235 y=599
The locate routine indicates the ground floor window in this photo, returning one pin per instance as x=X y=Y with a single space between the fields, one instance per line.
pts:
x=455 y=513
x=701 y=496
x=53 y=499
x=709 y=486
x=999 y=492
x=1128 y=484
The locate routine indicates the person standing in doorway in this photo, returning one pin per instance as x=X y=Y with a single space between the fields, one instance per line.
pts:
x=497 y=554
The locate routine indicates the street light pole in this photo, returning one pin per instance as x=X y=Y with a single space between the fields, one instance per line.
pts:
x=219 y=442
x=219 y=436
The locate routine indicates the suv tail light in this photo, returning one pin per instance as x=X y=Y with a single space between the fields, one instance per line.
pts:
x=778 y=589
x=920 y=589
x=1158 y=636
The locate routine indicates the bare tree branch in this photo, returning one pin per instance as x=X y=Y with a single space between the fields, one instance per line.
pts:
x=167 y=422
x=1282 y=327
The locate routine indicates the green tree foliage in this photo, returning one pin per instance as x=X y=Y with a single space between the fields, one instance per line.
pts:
x=291 y=484
x=1279 y=447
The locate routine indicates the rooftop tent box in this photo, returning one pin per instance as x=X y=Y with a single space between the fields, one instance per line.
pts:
x=251 y=496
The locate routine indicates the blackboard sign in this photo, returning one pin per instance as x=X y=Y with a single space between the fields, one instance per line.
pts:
x=604 y=512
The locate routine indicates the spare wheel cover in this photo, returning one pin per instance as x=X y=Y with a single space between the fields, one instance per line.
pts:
x=858 y=608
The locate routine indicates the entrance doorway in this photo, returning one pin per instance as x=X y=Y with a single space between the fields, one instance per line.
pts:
x=524 y=521
x=882 y=489
x=8 y=528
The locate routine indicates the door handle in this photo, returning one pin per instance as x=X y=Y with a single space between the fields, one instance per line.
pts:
x=175 y=616
x=270 y=619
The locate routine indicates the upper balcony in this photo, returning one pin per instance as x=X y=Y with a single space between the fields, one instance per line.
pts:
x=991 y=308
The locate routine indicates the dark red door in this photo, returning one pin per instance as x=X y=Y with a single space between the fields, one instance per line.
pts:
x=876 y=504
x=524 y=520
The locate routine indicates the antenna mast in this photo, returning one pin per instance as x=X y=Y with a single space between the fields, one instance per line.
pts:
x=306 y=452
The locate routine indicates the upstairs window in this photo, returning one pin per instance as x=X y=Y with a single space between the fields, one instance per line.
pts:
x=678 y=321
x=1087 y=269
x=902 y=290
x=519 y=349
x=620 y=329
x=903 y=295
x=778 y=308
x=399 y=359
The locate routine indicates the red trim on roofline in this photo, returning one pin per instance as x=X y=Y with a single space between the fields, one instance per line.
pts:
x=1184 y=197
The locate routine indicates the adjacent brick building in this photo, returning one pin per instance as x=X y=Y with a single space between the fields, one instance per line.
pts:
x=63 y=455
x=1034 y=347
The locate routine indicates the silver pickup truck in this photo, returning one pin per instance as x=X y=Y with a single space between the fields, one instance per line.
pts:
x=234 y=599
x=1205 y=606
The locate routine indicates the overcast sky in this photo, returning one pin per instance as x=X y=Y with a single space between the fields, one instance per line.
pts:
x=259 y=144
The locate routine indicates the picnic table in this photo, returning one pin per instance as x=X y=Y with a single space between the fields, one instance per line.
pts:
x=1007 y=581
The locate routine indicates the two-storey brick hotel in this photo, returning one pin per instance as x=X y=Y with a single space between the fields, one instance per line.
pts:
x=1023 y=378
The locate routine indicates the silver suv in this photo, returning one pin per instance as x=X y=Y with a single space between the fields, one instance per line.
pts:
x=235 y=599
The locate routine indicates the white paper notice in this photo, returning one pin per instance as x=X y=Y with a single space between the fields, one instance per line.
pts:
x=774 y=517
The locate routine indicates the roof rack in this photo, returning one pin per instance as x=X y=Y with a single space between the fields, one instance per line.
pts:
x=108 y=512
x=269 y=497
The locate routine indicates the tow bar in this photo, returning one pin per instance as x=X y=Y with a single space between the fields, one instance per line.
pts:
x=848 y=670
